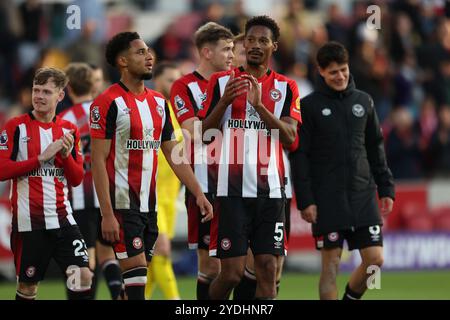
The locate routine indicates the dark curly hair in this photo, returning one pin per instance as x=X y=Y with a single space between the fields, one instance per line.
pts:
x=264 y=21
x=330 y=52
x=119 y=43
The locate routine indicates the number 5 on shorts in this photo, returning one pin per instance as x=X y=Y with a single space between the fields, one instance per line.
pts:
x=279 y=231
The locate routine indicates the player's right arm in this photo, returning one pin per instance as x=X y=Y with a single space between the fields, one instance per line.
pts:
x=99 y=153
x=9 y=139
x=215 y=106
x=102 y=127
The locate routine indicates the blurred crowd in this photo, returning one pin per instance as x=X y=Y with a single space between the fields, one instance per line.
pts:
x=404 y=65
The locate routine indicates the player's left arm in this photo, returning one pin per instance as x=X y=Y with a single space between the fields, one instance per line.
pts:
x=377 y=160
x=72 y=157
x=181 y=168
x=286 y=125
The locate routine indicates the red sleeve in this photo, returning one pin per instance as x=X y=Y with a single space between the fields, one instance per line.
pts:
x=10 y=168
x=294 y=144
x=212 y=97
x=182 y=102
x=102 y=118
x=291 y=106
x=73 y=164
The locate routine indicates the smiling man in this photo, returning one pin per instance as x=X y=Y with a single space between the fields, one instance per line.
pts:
x=257 y=110
x=338 y=169
x=129 y=123
x=41 y=153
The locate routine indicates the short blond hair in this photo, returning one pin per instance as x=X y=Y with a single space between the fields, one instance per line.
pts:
x=211 y=32
x=80 y=77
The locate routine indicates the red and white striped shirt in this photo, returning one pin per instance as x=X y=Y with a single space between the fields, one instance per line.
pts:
x=187 y=96
x=39 y=194
x=136 y=124
x=84 y=195
x=252 y=162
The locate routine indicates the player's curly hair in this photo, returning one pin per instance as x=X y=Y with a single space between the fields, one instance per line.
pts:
x=264 y=21
x=119 y=43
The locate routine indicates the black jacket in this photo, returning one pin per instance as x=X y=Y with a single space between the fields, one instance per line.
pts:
x=340 y=162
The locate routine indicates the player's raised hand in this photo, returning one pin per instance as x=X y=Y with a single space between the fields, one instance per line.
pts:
x=309 y=214
x=206 y=208
x=67 y=141
x=234 y=88
x=110 y=228
x=50 y=152
x=254 y=91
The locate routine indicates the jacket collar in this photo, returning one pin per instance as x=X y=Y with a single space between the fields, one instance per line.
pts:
x=325 y=89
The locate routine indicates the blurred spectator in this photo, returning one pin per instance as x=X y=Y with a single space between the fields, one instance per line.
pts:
x=299 y=73
x=427 y=121
x=237 y=19
x=85 y=48
x=10 y=29
x=170 y=46
x=91 y=11
x=370 y=69
x=402 y=146
x=336 y=24
x=439 y=148
x=407 y=84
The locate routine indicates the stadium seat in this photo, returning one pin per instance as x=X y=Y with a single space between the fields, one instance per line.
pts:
x=441 y=218
x=422 y=223
x=415 y=216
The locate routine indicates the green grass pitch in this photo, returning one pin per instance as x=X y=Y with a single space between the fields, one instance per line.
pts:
x=294 y=286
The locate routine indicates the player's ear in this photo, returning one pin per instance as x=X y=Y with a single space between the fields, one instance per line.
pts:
x=122 y=61
x=206 y=52
x=61 y=95
x=321 y=71
x=275 y=46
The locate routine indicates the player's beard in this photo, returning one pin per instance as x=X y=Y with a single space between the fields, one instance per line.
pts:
x=253 y=63
x=146 y=76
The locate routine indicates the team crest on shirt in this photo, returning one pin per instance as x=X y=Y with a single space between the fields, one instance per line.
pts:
x=160 y=110
x=95 y=115
x=297 y=105
x=31 y=271
x=4 y=140
x=179 y=102
x=225 y=244
x=358 y=110
x=333 y=236
x=137 y=243
x=275 y=95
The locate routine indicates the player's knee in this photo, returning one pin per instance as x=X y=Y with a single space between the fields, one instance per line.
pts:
x=376 y=260
x=267 y=267
x=86 y=277
x=29 y=289
x=233 y=278
x=78 y=277
x=210 y=267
